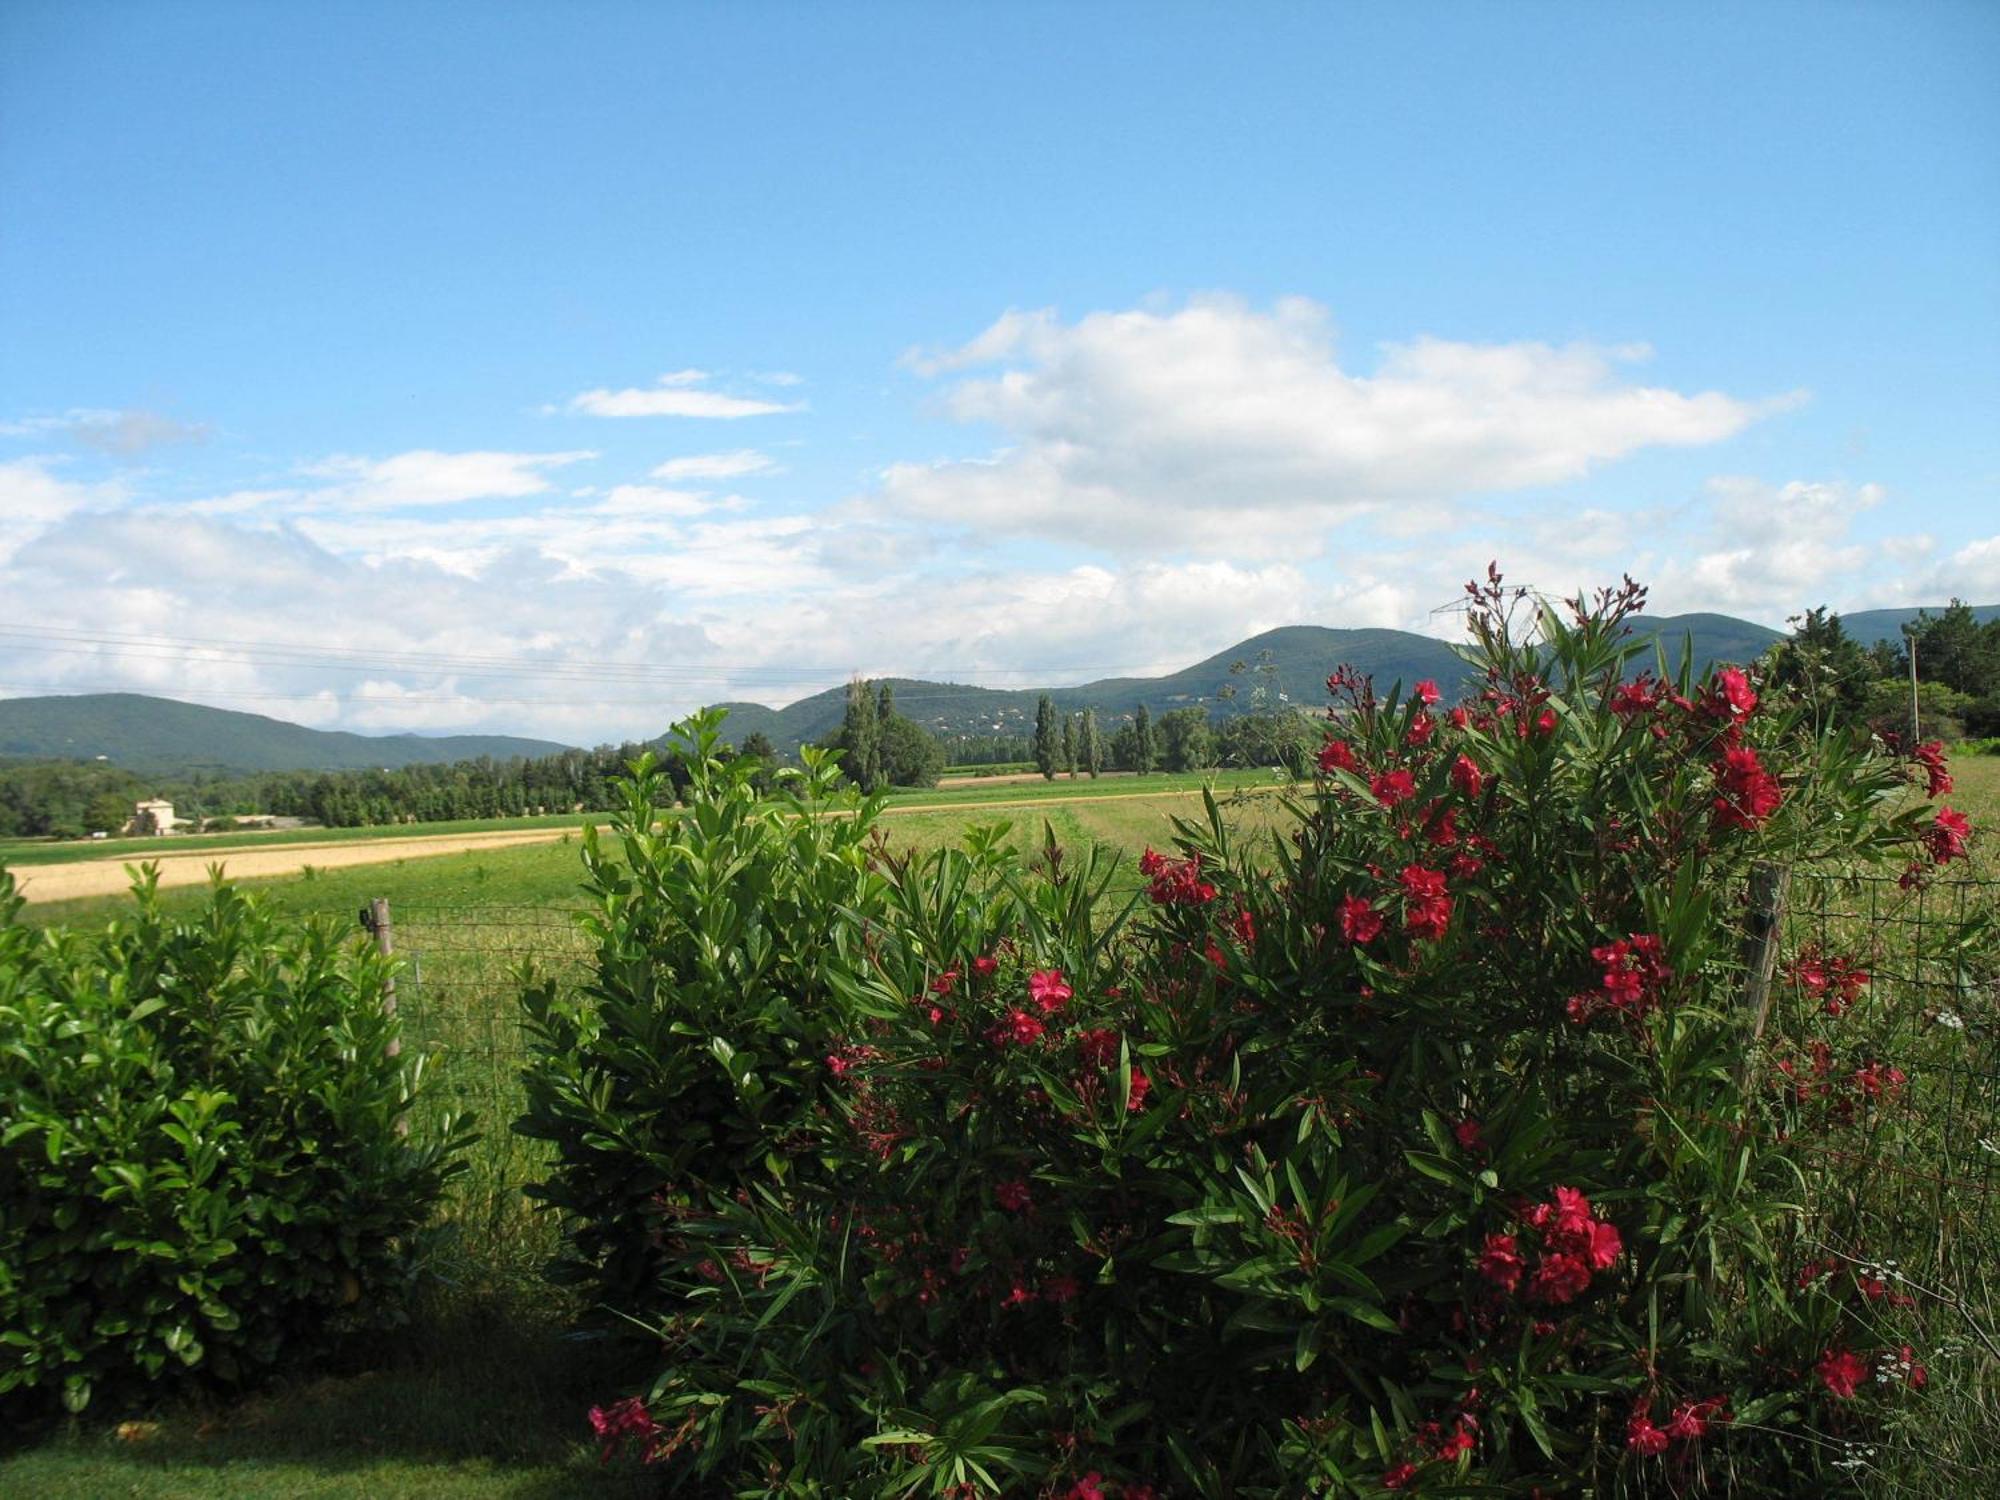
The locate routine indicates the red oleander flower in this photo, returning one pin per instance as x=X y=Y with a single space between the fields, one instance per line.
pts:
x=1060 y=1289
x=1022 y=1028
x=1930 y=755
x=1399 y=1478
x=1048 y=989
x=1946 y=837
x=1337 y=755
x=1640 y=695
x=1561 y=1278
x=1360 y=922
x=1427 y=908
x=985 y=967
x=1738 y=698
x=1467 y=777
x=1842 y=1371
x=1426 y=692
x=1098 y=1046
x=1500 y=1261
x=1141 y=1086
x=1466 y=1133
x=1422 y=727
x=1013 y=1196
x=620 y=1420
x=1606 y=1246
x=1392 y=787
x=1089 y=1487
x=1642 y=1437
x=1746 y=793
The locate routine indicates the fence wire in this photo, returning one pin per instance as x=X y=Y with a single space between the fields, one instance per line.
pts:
x=1899 y=1126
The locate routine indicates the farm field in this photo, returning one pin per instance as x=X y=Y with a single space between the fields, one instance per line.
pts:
x=58 y=890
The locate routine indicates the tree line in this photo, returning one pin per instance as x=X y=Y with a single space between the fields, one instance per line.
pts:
x=1957 y=672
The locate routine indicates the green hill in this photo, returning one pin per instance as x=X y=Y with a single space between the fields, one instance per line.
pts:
x=1871 y=625
x=164 y=735
x=1289 y=664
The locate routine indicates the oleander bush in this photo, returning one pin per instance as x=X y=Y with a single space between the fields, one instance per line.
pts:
x=1430 y=1150
x=205 y=1164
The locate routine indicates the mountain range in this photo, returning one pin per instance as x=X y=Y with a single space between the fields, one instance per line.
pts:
x=1283 y=666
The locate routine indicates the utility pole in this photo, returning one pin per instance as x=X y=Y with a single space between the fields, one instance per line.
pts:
x=1916 y=726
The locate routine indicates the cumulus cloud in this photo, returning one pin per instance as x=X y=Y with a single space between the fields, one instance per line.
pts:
x=424 y=477
x=731 y=465
x=33 y=497
x=678 y=394
x=1219 y=427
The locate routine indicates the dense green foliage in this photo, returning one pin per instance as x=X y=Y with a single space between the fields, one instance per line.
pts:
x=1437 y=1158
x=204 y=1166
x=1957 y=674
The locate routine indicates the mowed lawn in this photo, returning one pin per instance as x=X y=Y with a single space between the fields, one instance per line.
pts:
x=486 y=1394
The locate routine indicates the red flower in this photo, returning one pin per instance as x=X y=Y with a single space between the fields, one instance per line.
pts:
x=1422 y=727
x=1841 y=1371
x=1466 y=1132
x=1467 y=777
x=1947 y=835
x=1642 y=1437
x=1500 y=1261
x=1090 y=1487
x=945 y=983
x=1930 y=755
x=1099 y=1046
x=1738 y=699
x=1013 y=1196
x=1573 y=1218
x=1047 y=989
x=1392 y=787
x=1635 y=697
x=1605 y=1246
x=1060 y=1289
x=1561 y=1278
x=985 y=967
x=1427 y=908
x=1022 y=1028
x=1426 y=692
x=1400 y=1477
x=1141 y=1086
x=620 y=1420
x=1746 y=793
x=1359 y=921
x=1337 y=755
x=1914 y=1374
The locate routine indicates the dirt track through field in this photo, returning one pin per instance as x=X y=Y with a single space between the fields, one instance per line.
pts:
x=107 y=877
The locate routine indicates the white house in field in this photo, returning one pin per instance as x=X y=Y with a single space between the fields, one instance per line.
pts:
x=152 y=818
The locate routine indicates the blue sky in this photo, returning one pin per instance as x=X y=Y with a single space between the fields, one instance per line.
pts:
x=558 y=367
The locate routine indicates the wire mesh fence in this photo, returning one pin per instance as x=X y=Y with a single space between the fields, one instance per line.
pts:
x=1893 y=1104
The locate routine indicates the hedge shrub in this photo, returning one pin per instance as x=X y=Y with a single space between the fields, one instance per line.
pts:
x=1419 y=1151
x=206 y=1166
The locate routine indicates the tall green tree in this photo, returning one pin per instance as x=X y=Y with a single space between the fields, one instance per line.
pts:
x=861 y=734
x=1048 y=742
x=885 y=702
x=1090 y=746
x=1824 y=665
x=1186 y=742
x=1144 y=748
x=1069 y=745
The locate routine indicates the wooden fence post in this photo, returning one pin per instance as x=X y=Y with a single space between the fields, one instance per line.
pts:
x=1770 y=885
x=375 y=918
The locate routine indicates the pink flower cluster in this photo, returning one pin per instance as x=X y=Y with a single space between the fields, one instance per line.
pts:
x=1575 y=1243
x=624 y=1419
x=1175 y=882
x=1634 y=973
x=1688 y=1423
x=1835 y=981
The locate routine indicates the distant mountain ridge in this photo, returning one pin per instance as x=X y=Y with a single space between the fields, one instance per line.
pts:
x=164 y=735
x=1300 y=657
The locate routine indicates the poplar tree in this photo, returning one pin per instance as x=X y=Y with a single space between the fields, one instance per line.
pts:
x=1142 y=731
x=1092 y=747
x=862 y=733
x=1069 y=745
x=1048 y=743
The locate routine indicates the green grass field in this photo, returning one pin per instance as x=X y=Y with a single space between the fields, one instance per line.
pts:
x=485 y=1394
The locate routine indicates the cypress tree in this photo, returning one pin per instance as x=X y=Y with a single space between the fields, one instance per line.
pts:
x=1142 y=728
x=1047 y=743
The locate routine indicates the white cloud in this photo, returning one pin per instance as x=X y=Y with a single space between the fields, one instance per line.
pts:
x=674 y=395
x=729 y=465
x=1225 y=429
x=122 y=435
x=424 y=477
x=32 y=498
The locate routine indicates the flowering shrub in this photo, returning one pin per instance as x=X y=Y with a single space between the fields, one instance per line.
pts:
x=1412 y=1153
x=206 y=1165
